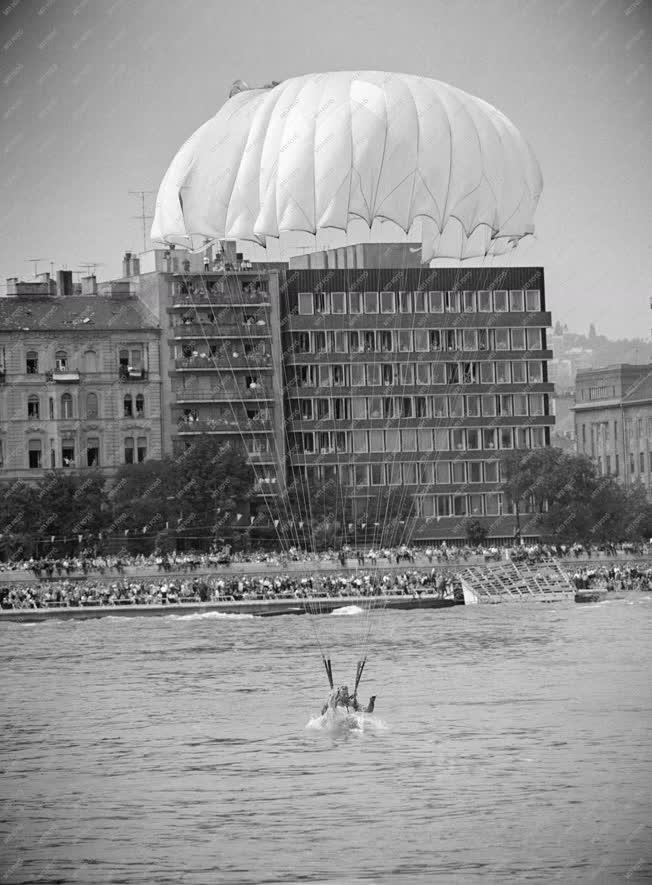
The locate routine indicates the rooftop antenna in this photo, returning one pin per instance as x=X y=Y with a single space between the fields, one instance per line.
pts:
x=143 y=216
x=35 y=261
x=87 y=265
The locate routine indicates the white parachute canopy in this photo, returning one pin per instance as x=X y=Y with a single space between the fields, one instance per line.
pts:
x=322 y=151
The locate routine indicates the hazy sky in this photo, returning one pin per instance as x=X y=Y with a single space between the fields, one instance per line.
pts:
x=97 y=96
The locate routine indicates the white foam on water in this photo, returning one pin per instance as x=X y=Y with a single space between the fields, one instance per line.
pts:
x=339 y=721
x=348 y=610
x=213 y=616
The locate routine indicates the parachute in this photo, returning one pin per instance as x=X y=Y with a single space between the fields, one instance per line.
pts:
x=322 y=152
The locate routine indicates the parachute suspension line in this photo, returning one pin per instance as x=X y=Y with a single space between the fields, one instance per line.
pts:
x=358 y=674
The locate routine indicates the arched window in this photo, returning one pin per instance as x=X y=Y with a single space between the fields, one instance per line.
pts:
x=140 y=405
x=33 y=406
x=141 y=448
x=61 y=360
x=129 y=450
x=31 y=362
x=34 y=447
x=91 y=405
x=128 y=408
x=90 y=361
x=93 y=451
x=66 y=406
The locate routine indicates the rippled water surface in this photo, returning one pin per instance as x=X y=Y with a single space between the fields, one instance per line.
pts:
x=147 y=750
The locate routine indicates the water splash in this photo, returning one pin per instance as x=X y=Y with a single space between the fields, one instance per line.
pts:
x=348 y=610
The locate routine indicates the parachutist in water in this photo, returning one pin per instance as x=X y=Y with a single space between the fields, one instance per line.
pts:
x=340 y=697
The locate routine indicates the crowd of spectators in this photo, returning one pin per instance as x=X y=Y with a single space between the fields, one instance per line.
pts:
x=88 y=563
x=614 y=577
x=308 y=590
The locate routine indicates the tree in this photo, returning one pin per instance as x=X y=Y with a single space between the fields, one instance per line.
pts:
x=139 y=497
x=18 y=516
x=476 y=533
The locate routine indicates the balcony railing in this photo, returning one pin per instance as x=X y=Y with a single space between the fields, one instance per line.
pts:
x=63 y=375
x=223 y=393
x=224 y=425
x=224 y=361
x=232 y=299
x=129 y=373
x=257 y=329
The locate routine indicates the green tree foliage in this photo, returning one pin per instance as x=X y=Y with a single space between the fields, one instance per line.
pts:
x=139 y=497
x=476 y=533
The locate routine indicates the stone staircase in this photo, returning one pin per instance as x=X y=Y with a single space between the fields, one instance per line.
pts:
x=516 y=582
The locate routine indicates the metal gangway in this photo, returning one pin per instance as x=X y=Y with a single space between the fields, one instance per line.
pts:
x=544 y=581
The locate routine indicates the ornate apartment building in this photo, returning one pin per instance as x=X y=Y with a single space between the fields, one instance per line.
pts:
x=80 y=377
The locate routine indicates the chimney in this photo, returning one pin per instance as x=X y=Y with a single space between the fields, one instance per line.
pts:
x=89 y=285
x=64 y=283
x=12 y=285
x=135 y=266
x=126 y=265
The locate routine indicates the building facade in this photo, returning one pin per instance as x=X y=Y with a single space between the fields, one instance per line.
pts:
x=613 y=421
x=417 y=379
x=80 y=378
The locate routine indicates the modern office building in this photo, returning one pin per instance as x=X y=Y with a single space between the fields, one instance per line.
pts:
x=79 y=377
x=415 y=378
x=613 y=421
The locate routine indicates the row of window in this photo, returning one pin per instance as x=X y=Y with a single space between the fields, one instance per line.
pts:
x=457 y=439
x=381 y=407
x=135 y=450
x=127 y=359
x=131 y=406
x=388 y=374
x=483 y=301
x=417 y=340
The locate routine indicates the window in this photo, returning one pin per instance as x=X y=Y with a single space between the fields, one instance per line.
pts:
x=492 y=503
x=475 y=471
x=488 y=405
x=404 y=337
x=319 y=339
x=306 y=307
x=469 y=373
x=340 y=342
x=520 y=404
x=355 y=302
x=393 y=440
x=405 y=302
x=371 y=302
x=468 y=302
x=475 y=505
x=435 y=339
x=456 y=406
x=535 y=371
x=427 y=504
x=376 y=441
x=68 y=452
x=324 y=373
x=305 y=409
x=338 y=302
x=123 y=356
x=501 y=339
x=410 y=474
x=536 y=404
x=489 y=438
x=502 y=372
x=443 y=472
x=459 y=505
x=323 y=408
x=473 y=439
x=375 y=406
x=31 y=362
x=452 y=302
x=33 y=406
x=386 y=344
x=91 y=405
x=473 y=406
x=436 y=302
x=516 y=301
x=491 y=473
x=421 y=340
x=483 y=339
x=423 y=373
x=404 y=406
x=438 y=373
x=452 y=373
x=420 y=302
x=441 y=440
x=484 y=301
x=66 y=406
x=505 y=404
x=140 y=405
x=470 y=339
x=532 y=299
x=534 y=339
x=641 y=462
x=519 y=372
x=487 y=373
x=141 y=449
x=409 y=440
x=458 y=437
x=61 y=360
x=506 y=440
x=421 y=406
x=374 y=374
x=424 y=439
x=377 y=474
x=369 y=339
x=394 y=474
x=93 y=451
x=443 y=505
x=360 y=441
x=608 y=464
x=51 y=408
x=129 y=450
x=90 y=361
x=500 y=301
x=440 y=406
x=406 y=373
x=34 y=448
x=518 y=339
x=128 y=410
x=387 y=302
x=357 y=375
x=322 y=302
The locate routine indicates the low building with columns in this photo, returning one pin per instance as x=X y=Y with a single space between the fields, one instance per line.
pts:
x=80 y=383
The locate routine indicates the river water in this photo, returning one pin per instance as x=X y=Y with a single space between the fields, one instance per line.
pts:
x=516 y=747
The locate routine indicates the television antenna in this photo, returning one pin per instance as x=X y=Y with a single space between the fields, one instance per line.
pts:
x=35 y=262
x=144 y=217
x=87 y=265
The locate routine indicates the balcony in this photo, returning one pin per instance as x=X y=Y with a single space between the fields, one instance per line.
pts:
x=63 y=375
x=203 y=296
x=129 y=373
x=223 y=394
x=233 y=360
x=257 y=329
x=223 y=425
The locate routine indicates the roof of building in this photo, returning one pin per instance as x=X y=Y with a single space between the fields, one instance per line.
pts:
x=75 y=312
x=642 y=390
